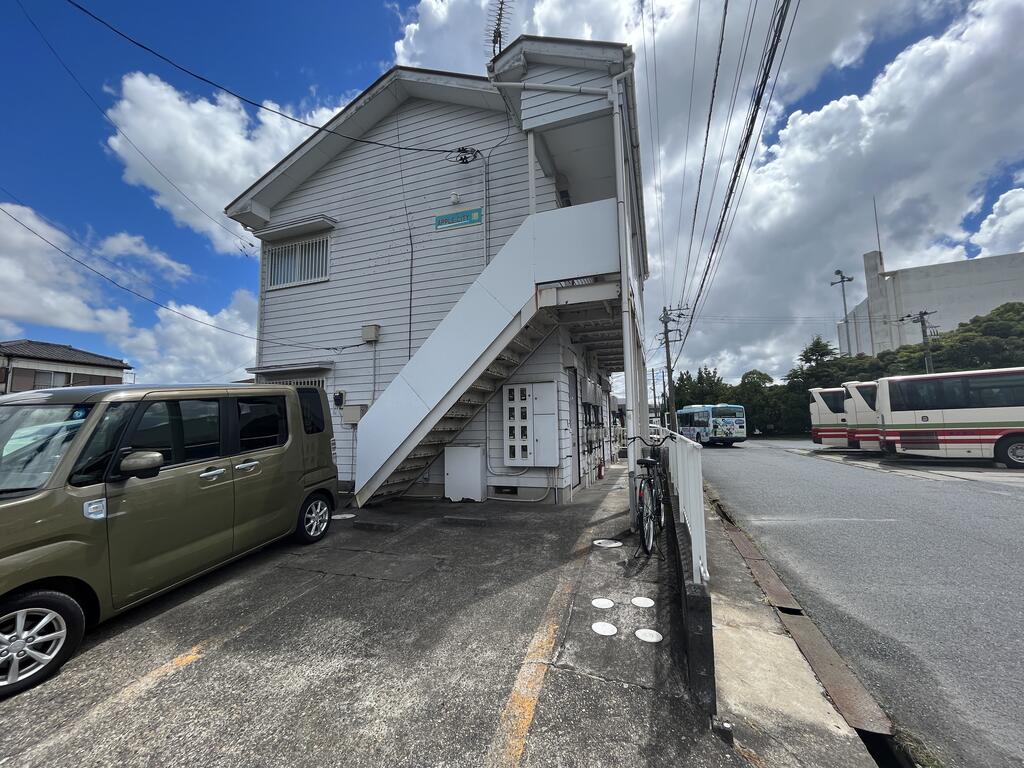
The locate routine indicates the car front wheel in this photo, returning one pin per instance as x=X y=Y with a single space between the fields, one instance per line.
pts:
x=39 y=631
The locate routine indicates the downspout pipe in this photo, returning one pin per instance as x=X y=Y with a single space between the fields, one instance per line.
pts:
x=613 y=94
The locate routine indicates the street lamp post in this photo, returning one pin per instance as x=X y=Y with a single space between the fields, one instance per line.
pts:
x=841 y=280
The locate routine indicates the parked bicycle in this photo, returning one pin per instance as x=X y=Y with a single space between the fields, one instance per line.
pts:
x=650 y=493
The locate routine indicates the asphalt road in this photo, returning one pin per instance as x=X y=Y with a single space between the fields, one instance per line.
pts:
x=915 y=575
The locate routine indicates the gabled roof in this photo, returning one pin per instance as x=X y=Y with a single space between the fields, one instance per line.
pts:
x=394 y=87
x=58 y=353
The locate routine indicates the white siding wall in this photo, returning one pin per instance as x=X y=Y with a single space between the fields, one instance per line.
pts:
x=545 y=109
x=369 y=280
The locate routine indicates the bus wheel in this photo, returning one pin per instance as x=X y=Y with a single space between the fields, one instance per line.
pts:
x=1010 y=451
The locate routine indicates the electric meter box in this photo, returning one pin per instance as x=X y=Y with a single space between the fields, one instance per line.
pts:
x=530 y=424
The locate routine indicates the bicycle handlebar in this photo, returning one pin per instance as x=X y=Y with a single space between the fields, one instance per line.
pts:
x=669 y=436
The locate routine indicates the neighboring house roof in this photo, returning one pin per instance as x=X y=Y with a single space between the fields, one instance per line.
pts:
x=390 y=90
x=58 y=353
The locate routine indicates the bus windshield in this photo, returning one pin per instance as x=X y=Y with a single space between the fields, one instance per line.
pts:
x=834 y=400
x=32 y=440
x=868 y=392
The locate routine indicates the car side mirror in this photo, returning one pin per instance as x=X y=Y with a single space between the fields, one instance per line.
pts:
x=141 y=464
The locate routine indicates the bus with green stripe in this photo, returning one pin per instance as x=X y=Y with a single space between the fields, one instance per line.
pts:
x=861 y=417
x=964 y=414
x=828 y=416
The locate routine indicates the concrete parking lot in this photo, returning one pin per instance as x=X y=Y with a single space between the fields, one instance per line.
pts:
x=423 y=643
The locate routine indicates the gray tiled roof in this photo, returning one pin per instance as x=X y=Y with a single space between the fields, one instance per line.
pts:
x=58 y=353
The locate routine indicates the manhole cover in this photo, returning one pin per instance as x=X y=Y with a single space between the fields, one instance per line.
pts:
x=345 y=516
x=604 y=628
x=642 y=602
x=648 y=635
x=607 y=543
x=602 y=602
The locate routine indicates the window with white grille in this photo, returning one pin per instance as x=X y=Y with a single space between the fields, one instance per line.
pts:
x=296 y=263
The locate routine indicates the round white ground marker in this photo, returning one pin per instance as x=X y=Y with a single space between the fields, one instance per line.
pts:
x=648 y=635
x=604 y=628
x=642 y=602
x=345 y=516
x=602 y=602
x=607 y=543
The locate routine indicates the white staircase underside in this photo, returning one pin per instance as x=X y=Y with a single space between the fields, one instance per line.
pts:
x=479 y=344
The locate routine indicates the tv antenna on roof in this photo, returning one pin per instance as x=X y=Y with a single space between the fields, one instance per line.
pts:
x=497 y=24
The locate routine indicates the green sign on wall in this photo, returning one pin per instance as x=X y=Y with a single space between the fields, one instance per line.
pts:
x=459 y=219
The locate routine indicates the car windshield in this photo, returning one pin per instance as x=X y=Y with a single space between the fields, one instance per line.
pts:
x=33 y=437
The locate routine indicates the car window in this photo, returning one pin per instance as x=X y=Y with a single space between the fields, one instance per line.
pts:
x=262 y=422
x=181 y=430
x=95 y=457
x=153 y=432
x=312 y=411
x=200 y=426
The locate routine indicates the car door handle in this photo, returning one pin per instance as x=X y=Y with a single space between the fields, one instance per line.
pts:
x=212 y=472
x=247 y=466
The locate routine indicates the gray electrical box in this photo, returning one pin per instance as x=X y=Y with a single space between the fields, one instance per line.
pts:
x=351 y=414
x=465 y=473
x=371 y=333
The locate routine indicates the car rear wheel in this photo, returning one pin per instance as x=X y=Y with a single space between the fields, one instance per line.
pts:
x=1010 y=452
x=39 y=631
x=314 y=519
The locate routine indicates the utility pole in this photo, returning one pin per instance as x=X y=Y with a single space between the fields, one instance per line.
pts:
x=666 y=316
x=841 y=280
x=664 y=400
x=921 y=318
x=654 y=391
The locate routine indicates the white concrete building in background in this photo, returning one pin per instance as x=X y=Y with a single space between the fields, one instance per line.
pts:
x=955 y=291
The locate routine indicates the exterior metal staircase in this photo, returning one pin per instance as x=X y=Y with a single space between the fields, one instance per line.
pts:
x=493 y=327
x=504 y=364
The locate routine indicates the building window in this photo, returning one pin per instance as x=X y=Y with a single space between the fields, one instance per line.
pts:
x=307 y=261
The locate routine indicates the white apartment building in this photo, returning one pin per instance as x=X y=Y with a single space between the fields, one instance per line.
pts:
x=955 y=291
x=459 y=261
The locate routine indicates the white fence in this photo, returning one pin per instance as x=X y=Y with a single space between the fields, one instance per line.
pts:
x=683 y=463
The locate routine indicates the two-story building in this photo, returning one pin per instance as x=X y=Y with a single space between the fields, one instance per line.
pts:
x=26 y=364
x=459 y=261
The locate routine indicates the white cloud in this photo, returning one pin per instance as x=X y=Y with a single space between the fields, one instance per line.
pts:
x=125 y=247
x=177 y=350
x=1002 y=231
x=9 y=330
x=42 y=286
x=211 y=148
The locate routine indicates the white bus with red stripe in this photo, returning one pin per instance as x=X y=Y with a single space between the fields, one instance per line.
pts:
x=828 y=416
x=861 y=420
x=966 y=414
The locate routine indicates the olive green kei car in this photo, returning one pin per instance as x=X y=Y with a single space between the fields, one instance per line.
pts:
x=111 y=495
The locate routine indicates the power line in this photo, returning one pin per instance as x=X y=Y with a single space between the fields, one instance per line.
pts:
x=776 y=37
x=654 y=129
x=164 y=306
x=707 y=129
x=686 y=155
x=458 y=154
x=124 y=135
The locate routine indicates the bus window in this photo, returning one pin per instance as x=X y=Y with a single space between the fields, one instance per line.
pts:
x=723 y=412
x=700 y=419
x=868 y=392
x=1001 y=391
x=834 y=401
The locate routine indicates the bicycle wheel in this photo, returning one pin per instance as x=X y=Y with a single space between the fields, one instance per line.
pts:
x=647 y=513
x=659 y=500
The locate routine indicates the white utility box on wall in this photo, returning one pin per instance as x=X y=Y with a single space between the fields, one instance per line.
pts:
x=465 y=473
x=530 y=424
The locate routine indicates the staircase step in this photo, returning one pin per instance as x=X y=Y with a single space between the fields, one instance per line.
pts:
x=509 y=357
x=459 y=411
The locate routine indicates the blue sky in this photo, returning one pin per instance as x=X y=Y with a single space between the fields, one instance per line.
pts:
x=906 y=99
x=55 y=158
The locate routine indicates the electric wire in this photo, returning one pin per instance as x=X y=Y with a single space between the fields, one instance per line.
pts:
x=766 y=68
x=654 y=131
x=455 y=154
x=156 y=303
x=707 y=132
x=125 y=136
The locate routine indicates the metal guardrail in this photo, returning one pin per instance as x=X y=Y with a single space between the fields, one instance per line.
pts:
x=686 y=483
